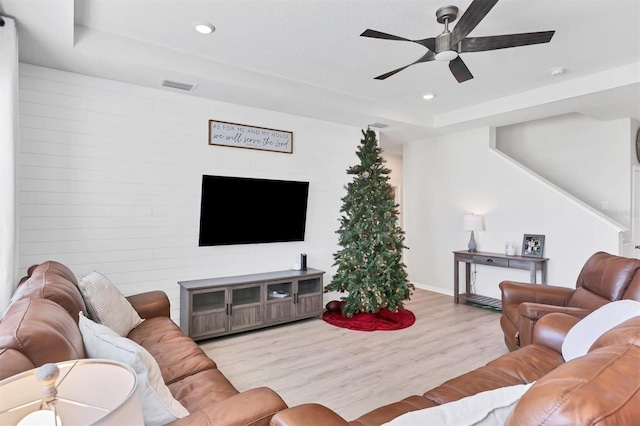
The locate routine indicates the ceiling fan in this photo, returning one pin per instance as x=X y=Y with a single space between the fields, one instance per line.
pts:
x=450 y=44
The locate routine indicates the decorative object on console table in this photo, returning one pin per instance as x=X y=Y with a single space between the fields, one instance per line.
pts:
x=251 y=137
x=88 y=391
x=510 y=248
x=532 y=245
x=532 y=264
x=472 y=222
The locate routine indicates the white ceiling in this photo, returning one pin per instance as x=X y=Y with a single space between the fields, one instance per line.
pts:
x=306 y=56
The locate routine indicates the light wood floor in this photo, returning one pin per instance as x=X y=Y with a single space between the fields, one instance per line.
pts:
x=353 y=372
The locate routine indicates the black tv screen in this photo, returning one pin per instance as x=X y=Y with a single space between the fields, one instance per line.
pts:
x=238 y=210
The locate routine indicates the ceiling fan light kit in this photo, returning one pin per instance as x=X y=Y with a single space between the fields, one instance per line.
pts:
x=446 y=55
x=449 y=45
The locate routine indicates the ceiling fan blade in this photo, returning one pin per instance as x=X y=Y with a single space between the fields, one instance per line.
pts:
x=459 y=70
x=385 y=36
x=429 y=43
x=481 y=44
x=429 y=56
x=470 y=19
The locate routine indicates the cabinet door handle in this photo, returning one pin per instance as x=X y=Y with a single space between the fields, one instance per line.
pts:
x=230 y=308
x=489 y=260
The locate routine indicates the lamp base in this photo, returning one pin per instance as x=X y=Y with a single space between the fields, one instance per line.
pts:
x=472 y=243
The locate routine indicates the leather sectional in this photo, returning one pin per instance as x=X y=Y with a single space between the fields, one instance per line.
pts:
x=603 y=387
x=41 y=326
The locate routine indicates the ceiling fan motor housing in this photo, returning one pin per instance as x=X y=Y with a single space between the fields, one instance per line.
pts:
x=445 y=15
x=442 y=42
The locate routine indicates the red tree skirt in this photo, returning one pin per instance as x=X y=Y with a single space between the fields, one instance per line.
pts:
x=366 y=321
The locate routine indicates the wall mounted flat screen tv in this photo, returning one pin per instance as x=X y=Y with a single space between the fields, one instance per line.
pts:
x=237 y=210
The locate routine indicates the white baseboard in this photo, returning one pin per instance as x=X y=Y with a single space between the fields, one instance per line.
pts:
x=434 y=289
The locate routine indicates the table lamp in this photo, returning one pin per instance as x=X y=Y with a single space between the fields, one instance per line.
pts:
x=472 y=222
x=79 y=392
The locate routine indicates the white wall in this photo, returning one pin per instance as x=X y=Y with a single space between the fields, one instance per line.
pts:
x=8 y=159
x=586 y=157
x=449 y=176
x=110 y=178
x=394 y=163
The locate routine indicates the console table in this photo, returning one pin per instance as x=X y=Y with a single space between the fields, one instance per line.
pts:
x=532 y=264
x=219 y=306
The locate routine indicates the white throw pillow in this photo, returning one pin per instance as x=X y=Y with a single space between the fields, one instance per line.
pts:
x=106 y=305
x=158 y=405
x=490 y=408
x=584 y=334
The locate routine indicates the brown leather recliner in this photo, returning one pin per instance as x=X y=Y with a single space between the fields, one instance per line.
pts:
x=604 y=278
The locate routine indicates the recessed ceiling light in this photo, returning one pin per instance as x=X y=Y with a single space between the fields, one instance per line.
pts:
x=429 y=96
x=557 y=71
x=203 y=27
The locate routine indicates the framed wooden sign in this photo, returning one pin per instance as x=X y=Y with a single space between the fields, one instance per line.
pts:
x=242 y=136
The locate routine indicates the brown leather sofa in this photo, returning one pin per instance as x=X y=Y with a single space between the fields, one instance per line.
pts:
x=604 y=278
x=41 y=326
x=602 y=387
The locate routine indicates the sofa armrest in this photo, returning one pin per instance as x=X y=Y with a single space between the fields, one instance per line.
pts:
x=516 y=293
x=535 y=311
x=551 y=330
x=530 y=313
x=254 y=407
x=151 y=304
x=307 y=414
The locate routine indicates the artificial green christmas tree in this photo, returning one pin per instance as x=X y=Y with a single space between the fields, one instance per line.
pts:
x=370 y=266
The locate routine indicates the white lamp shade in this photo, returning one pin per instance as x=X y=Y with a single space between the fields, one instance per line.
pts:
x=472 y=222
x=89 y=391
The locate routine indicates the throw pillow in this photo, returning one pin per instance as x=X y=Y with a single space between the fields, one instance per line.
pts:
x=158 y=405
x=582 y=335
x=106 y=305
x=490 y=408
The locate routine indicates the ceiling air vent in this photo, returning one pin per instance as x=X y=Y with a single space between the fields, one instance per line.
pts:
x=378 y=125
x=177 y=85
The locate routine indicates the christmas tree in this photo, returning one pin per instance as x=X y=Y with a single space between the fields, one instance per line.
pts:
x=370 y=266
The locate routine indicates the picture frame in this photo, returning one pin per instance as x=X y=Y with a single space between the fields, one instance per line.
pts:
x=224 y=133
x=532 y=245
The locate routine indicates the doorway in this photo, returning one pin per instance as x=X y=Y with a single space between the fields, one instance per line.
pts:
x=635 y=214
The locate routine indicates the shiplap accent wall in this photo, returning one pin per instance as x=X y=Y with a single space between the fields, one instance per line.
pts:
x=110 y=179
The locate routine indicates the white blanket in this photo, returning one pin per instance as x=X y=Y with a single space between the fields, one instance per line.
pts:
x=485 y=408
x=584 y=334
